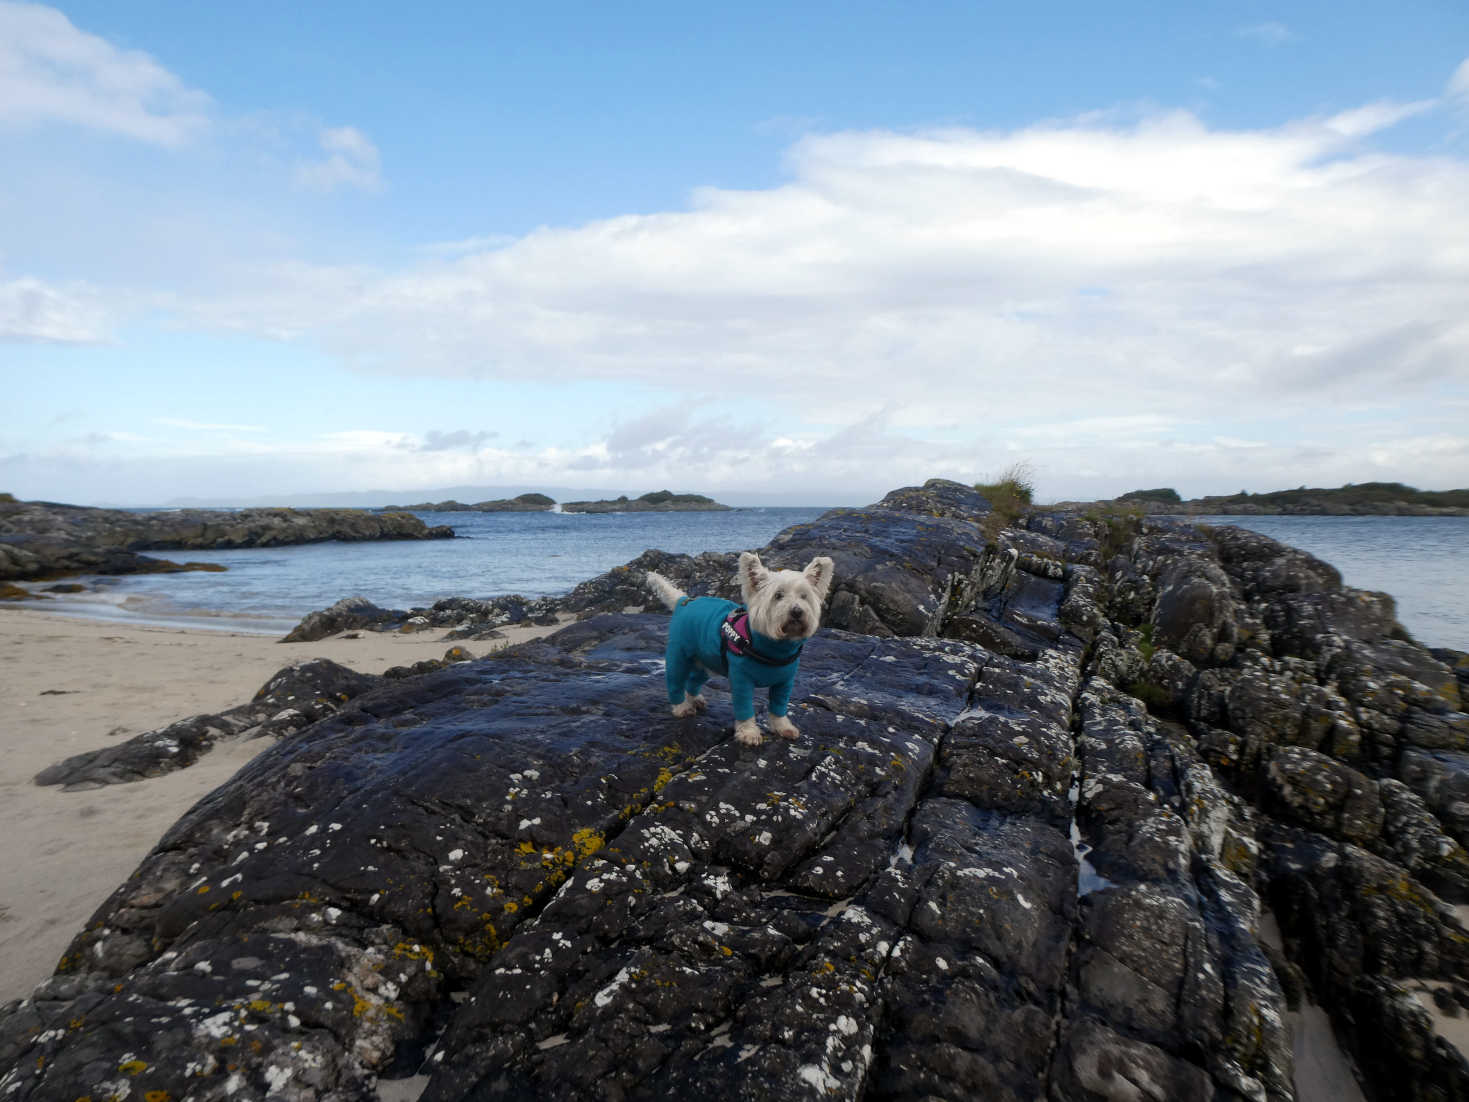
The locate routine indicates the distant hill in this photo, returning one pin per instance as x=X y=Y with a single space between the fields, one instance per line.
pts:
x=1353 y=499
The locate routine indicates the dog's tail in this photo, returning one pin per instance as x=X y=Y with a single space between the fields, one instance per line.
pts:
x=667 y=592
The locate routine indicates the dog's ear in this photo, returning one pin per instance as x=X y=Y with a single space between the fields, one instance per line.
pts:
x=818 y=572
x=752 y=575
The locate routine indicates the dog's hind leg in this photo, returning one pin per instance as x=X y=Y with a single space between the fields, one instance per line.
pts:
x=679 y=669
x=694 y=685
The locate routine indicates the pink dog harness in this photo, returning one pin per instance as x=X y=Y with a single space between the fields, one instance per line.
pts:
x=735 y=638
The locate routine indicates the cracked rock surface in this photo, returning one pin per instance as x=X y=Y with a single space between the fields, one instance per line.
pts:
x=1042 y=790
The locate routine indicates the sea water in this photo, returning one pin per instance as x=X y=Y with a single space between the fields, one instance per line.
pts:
x=1422 y=561
x=269 y=590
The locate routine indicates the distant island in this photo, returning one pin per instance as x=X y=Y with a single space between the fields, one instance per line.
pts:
x=1353 y=499
x=525 y=503
x=658 y=501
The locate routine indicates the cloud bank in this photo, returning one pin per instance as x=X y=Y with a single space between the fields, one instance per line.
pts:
x=1157 y=267
x=1126 y=299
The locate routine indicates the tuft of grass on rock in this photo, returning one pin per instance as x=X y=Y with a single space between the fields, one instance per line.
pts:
x=1118 y=524
x=1010 y=496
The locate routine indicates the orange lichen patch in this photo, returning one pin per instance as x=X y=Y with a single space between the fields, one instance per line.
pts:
x=482 y=945
x=369 y=1009
x=203 y=891
x=157 y=1096
x=132 y=1067
x=587 y=842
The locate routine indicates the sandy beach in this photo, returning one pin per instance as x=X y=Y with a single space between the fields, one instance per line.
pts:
x=71 y=685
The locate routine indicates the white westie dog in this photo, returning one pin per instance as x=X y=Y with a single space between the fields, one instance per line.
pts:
x=754 y=645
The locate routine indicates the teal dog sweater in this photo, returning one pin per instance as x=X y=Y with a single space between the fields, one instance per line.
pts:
x=710 y=635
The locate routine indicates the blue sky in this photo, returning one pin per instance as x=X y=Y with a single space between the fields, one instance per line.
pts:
x=786 y=252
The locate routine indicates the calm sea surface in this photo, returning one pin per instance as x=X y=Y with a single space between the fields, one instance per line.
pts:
x=1421 y=561
x=534 y=554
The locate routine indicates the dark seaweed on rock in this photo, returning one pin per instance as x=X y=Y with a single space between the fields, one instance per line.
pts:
x=1019 y=851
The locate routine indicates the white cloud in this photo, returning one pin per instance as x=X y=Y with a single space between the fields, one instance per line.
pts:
x=1369 y=119
x=1458 y=85
x=1162 y=268
x=33 y=311
x=474 y=244
x=52 y=72
x=351 y=161
x=1269 y=33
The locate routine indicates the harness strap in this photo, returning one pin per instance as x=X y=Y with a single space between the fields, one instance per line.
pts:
x=736 y=638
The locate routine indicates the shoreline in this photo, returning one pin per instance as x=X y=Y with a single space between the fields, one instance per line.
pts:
x=75 y=683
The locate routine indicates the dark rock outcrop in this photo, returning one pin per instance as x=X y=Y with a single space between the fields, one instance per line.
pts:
x=293 y=699
x=45 y=540
x=348 y=614
x=1019 y=850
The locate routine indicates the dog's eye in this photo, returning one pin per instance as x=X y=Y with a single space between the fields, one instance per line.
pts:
x=780 y=594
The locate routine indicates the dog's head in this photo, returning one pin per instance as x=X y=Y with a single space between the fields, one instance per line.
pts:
x=784 y=604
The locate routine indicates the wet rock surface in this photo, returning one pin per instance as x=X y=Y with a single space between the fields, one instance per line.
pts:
x=293 y=699
x=1043 y=790
x=44 y=540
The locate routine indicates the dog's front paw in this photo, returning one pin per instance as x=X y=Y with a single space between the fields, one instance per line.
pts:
x=687 y=707
x=747 y=733
x=783 y=727
x=699 y=703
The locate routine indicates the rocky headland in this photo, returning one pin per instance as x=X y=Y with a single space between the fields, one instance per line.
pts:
x=1351 y=500
x=1083 y=811
x=40 y=540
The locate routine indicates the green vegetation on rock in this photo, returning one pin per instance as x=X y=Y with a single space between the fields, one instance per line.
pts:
x=656 y=501
x=1009 y=495
x=1167 y=494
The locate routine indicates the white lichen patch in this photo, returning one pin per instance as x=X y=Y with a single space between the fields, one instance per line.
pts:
x=605 y=996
